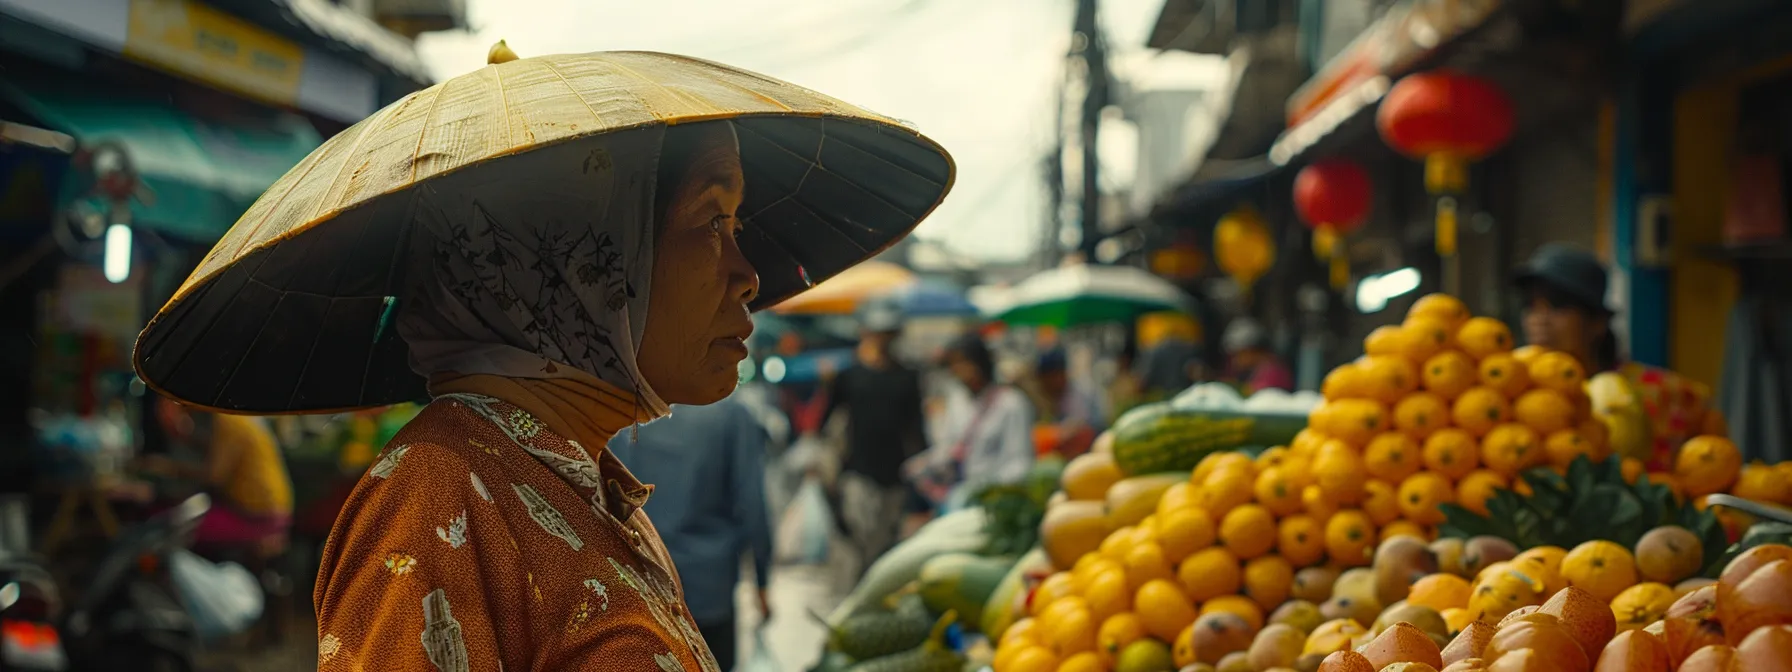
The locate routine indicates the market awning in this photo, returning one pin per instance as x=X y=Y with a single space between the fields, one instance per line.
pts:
x=203 y=173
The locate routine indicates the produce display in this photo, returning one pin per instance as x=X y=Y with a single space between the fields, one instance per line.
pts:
x=1173 y=547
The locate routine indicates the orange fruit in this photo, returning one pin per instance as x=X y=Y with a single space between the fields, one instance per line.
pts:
x=1339 y=473
x=1146 y=562
x=1349 y=381
x=1034 y=658
x=1420 y=495
x=1315 y=502
x=1440 y=591
x=1243 y=607
x=1210 y=573
x=1481 y=337
x=1301 y=540
x=1479 y=409
x=1706 y=465
x=1355 y=421
x=1405 y=528
x=1225 y=490
x=1183 y=532
x=1510 y=448
x=1086 y=661
x=1267 y=580
x=1163 y=608
x=1392 y=456
x=1451 y=452
x=1590 y=620
x=1347 y=661
x=1276 y=491
x=1182 y=495
x=1219 y=460
x=1631 y=469
x=1114 y=634
x=1421 y=413
x=1448 y=374
x=1765 y=647
x=1390 y=377
x=1402 y=643
x=1350 y=538
x=1073 y=632
x=1635 y=651
x=1763 y=483
x=1549 y=642
x=1525 y=354
x=1601 y=568
x=1427 y=336
x=1384 y=340
x=1273 y=456
x=1642 y=604
x=1558 y=371
x=1055 y=587
x=1543 y=565
x=1248 y=531
x=1089 y=475
x=1381 y=501
x=1476 y=488
x=1563 y=445
x=1503 y=372
x=1306 y=442
x=1544 y=410
x=1088 y=566
x=1108 y=593
x=1441 y=307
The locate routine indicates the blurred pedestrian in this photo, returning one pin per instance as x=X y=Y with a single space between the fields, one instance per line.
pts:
x=885 y=422
x=993 y=444
x=1071 y=403
x=707 y=465
x=1254 y=366
x=1563 y=290
x=240 y=465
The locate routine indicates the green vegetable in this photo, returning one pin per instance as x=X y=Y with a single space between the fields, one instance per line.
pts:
x=1764 y=532
x=1008 y=599
x=931 y=656
x=961 y=582
x=961 y=531
x=1014 y=515
x=1157 y=437
x=871 y=635
x=1592 y=502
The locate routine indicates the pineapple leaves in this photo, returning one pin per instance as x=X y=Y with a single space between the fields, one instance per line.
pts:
x=1586 y=502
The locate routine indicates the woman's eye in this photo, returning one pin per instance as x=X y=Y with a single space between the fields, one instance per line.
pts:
x=721 y=222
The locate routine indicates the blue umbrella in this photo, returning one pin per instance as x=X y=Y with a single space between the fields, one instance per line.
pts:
x=932 y=298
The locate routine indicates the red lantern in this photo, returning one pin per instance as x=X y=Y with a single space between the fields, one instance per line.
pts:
x=1333 y=197
x=1448 y=119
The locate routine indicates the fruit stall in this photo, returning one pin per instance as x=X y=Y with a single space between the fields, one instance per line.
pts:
x=1451 y=504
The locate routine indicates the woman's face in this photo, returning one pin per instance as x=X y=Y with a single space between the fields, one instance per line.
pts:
x=1557 y=327
x=697 y=322
x=965 y=371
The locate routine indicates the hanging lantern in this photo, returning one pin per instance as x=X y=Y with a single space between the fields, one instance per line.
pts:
x=1447 y=119
x=1333 y=197
x=1242 y=245
x=1180 y=262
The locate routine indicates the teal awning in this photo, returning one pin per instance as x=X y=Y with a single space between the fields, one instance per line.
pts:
x=203 y=172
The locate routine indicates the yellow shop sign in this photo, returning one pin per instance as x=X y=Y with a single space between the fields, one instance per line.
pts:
x=206 y=44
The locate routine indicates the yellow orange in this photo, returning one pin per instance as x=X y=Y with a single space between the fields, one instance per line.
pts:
x=1481 y=337
x=1427 y=336
x=1392 y=456
x=1355 y=421
x=1301 y=540
x=1544 y=410
x=1452 y=452
x=1557 y=371
x=1448 y=374
x=1225 y=489
x=1349 y=538
x=1473 y=491
x=1184 y=531
x=1600 y=567
x=1443 y=308
x=1278 y=492
x=1314 y=501
x=1164 y=609
x=1267 y=580
x=1238 y=605
x=1381 y=501
x=1510 y=448
x=1420 y=414
x=1564 y=445
x=1528 y=353
x=1210 y=573
x=1348 y=381
x=1421 y=494
x=1339 y=473
x=1249 y=531
x=1384 y=340
x=1440 y=591
x=1706 y=465
x=1146 y=562
x=1479 y=409
x=1114 y=634
x=1503 y=372
x=1404 y=528
x=1390 y=377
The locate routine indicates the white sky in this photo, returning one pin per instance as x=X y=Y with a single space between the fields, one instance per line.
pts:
x=978 y=76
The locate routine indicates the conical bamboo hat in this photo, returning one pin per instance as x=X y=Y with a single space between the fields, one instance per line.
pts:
x=288 y=313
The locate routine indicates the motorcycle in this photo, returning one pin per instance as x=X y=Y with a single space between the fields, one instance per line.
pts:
x=129 y=615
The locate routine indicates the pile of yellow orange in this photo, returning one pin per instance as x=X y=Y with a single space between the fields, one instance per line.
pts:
x=1442 y=409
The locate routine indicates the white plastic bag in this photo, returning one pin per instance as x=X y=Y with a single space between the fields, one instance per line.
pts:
x=762 y=659
x=223 y=599
x=806 y=526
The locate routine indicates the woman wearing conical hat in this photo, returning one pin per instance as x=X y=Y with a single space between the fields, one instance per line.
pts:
x=552 y=250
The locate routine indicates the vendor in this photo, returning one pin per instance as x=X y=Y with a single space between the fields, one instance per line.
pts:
x=1563 y=293
x=241 y=467
x=1254 y=365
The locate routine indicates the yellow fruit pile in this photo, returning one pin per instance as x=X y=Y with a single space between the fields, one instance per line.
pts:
x=1441 y=409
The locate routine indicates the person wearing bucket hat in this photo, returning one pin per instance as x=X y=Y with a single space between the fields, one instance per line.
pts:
x=1563 y=294
x=885 y=426
x=553 y=249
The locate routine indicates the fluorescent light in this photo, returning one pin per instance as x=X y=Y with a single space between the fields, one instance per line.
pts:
x=117 y=262
x=1374 y=292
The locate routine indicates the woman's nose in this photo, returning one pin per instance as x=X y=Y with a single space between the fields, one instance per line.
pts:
x=743 y=279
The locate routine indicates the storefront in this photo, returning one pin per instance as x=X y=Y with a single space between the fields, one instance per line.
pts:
x=1699 y=207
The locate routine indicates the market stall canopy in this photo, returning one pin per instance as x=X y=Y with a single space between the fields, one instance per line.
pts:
x=842 y=294
x=1078 y=295
x=932 y=298
x=290 y=313
x=203 y=173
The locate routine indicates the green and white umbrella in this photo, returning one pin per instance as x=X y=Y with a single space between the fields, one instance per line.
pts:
x=1078 y=295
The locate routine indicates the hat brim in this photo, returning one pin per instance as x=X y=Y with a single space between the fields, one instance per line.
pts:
x=291 y=311
x=1529 y=277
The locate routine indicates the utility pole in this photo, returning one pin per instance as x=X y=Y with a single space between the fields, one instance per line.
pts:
x=1093 y=49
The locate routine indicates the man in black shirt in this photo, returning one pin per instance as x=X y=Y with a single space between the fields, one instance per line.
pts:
x=884 y=427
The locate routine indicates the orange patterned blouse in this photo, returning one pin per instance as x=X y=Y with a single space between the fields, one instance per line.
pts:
x=481 y=540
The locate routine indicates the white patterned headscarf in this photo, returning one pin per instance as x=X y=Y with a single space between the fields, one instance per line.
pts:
x=541 y=270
